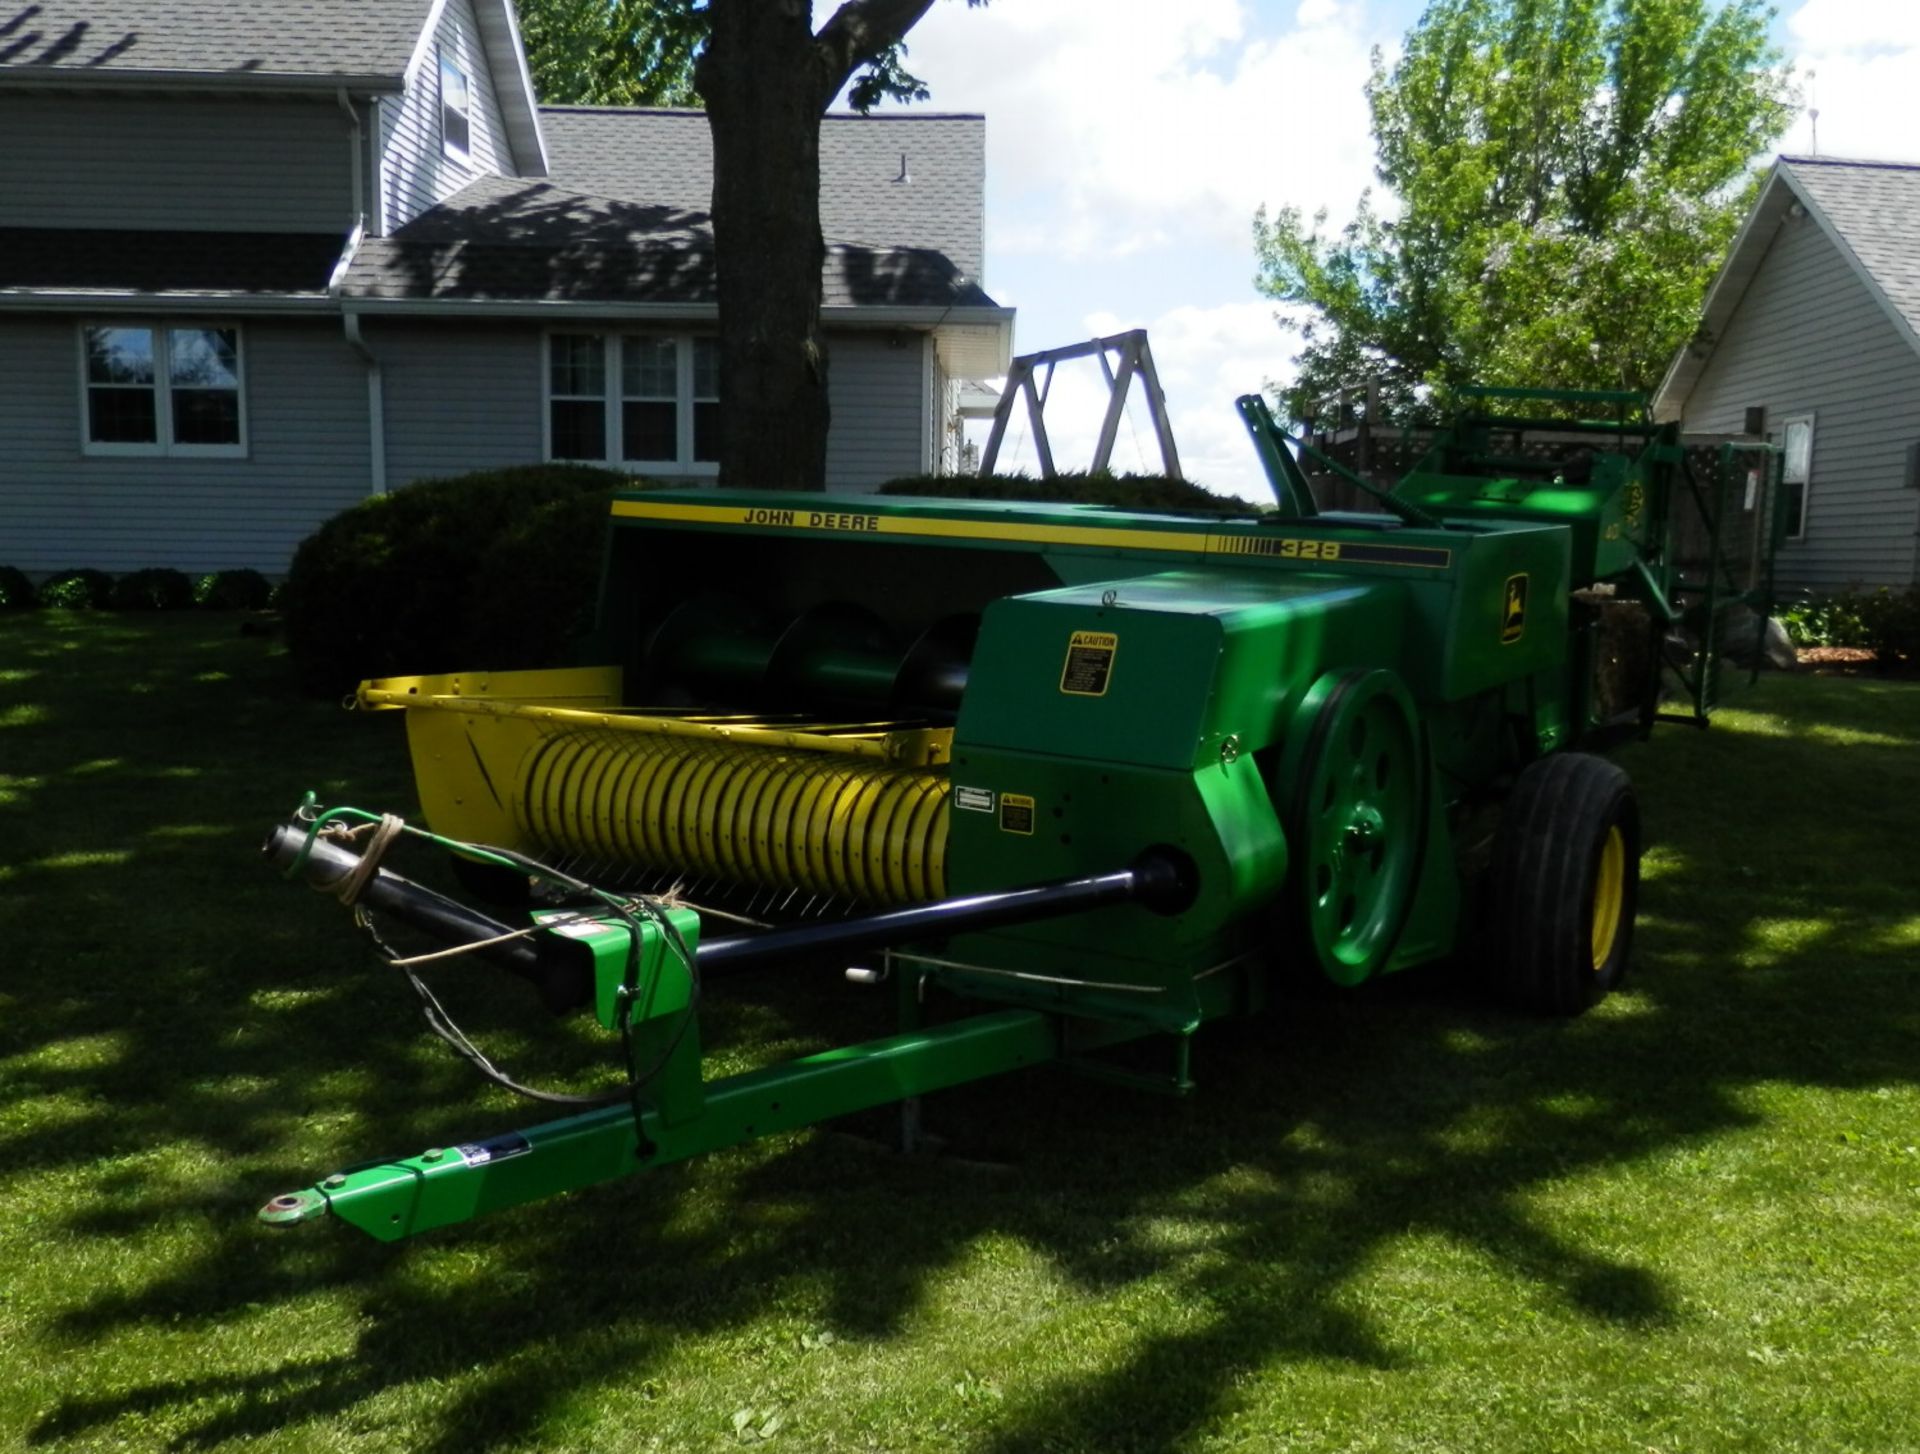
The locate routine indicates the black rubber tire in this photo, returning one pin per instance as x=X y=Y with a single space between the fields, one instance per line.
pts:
x=1553 y=837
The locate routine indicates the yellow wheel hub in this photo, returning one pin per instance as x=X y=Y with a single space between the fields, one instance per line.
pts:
x=1609 y=897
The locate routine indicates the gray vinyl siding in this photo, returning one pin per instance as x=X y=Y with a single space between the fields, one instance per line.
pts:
x=1808 y=338
x=877 y=384
x=460 y=397
x=193 y=163
x=307 y=459
x=415 y=171
x=470 y=396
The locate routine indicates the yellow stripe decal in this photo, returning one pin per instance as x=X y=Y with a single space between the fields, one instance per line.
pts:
x=1106 y=537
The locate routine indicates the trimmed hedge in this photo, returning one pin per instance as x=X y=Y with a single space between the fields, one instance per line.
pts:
x=77 y=590
x=447 y=575
x=16 y=591
x=539 y=580
x=1078 y=487
x=233 y=590
x=157 y=589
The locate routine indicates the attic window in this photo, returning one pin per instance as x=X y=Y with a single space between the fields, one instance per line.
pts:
x=455 y=128
x=1796 y=441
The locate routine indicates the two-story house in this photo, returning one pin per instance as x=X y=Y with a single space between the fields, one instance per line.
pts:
x=259 y=261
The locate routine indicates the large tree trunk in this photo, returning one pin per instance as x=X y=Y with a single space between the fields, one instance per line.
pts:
x=766 y=84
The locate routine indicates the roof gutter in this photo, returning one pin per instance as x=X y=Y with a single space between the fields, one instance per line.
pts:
x=107 y=78
x=79 y=300
x=855 y=314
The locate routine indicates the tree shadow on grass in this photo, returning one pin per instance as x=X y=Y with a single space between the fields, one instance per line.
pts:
x=1324 y=1136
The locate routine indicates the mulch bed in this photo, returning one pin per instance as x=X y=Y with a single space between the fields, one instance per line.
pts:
x=1850 y=661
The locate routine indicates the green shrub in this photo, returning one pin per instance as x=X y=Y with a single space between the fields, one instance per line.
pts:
x=77 y=590
x=233 y=590
x=155 y=589
x=1893 y=625
x=1131 y=492
x=16 y=591
x=535 y=585
x=386 y=587
x=1824 y=620
x=1886 y=622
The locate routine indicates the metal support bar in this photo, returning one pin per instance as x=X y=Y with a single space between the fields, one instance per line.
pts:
x=1154 y=880
x=1157 y=880
x=1566 y=426
x=1260 y=421
x=441 y=1186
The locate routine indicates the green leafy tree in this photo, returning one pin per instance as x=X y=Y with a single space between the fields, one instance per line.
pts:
x=612 y=52
x=1567 y=174
x=766 y=76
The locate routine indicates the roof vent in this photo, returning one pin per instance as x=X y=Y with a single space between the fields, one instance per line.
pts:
x=905 y=175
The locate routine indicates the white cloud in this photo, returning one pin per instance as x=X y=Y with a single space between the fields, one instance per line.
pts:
x=1856 y=25
x=1120 y=125
x=1859 y=64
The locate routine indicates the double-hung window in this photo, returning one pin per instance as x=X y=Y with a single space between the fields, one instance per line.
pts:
x=643 y=401
x=151 y=389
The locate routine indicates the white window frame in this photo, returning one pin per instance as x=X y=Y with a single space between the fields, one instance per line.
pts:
x=1801 y=475
x=450 y=148
x=613 y=444
x=162 y=445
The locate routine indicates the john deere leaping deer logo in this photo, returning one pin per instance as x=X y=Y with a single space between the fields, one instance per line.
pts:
x=1513 y=616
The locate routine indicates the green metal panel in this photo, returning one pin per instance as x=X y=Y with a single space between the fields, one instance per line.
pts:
x=1196 y=656
x=1475 y=639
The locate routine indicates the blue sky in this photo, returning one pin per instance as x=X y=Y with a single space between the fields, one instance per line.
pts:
x=1129 y=142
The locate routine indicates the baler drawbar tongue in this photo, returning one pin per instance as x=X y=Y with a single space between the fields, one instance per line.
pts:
x=641 y=962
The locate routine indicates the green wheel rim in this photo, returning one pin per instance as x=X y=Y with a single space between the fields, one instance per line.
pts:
x=1358 y=821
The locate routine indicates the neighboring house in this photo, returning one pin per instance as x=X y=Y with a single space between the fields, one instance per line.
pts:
x=259 y=261
x=1814 y=322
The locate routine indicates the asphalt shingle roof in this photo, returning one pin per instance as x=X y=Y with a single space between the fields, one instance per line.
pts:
x=88 y=259
x=1875 y=208
x=513 y=240
x=665 y=157
x=309 y=38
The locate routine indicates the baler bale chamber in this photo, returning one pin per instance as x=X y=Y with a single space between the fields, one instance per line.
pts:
x=1101 y=774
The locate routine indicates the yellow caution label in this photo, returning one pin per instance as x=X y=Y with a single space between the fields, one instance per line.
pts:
x=1513 y=615
x=1016 y=813
x=1089 y=665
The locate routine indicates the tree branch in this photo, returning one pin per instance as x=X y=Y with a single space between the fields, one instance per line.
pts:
x=862 y=30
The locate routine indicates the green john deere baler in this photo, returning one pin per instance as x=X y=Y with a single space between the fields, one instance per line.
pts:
x=1099 y=775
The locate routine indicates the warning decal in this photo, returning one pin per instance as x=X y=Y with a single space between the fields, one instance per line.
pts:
x=1513 y=615
x=1089 y=663
x=1016 y=813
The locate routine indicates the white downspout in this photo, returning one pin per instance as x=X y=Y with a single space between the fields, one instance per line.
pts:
x=376 y=383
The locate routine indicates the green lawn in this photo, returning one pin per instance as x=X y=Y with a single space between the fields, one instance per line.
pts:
x=1389 y=1220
